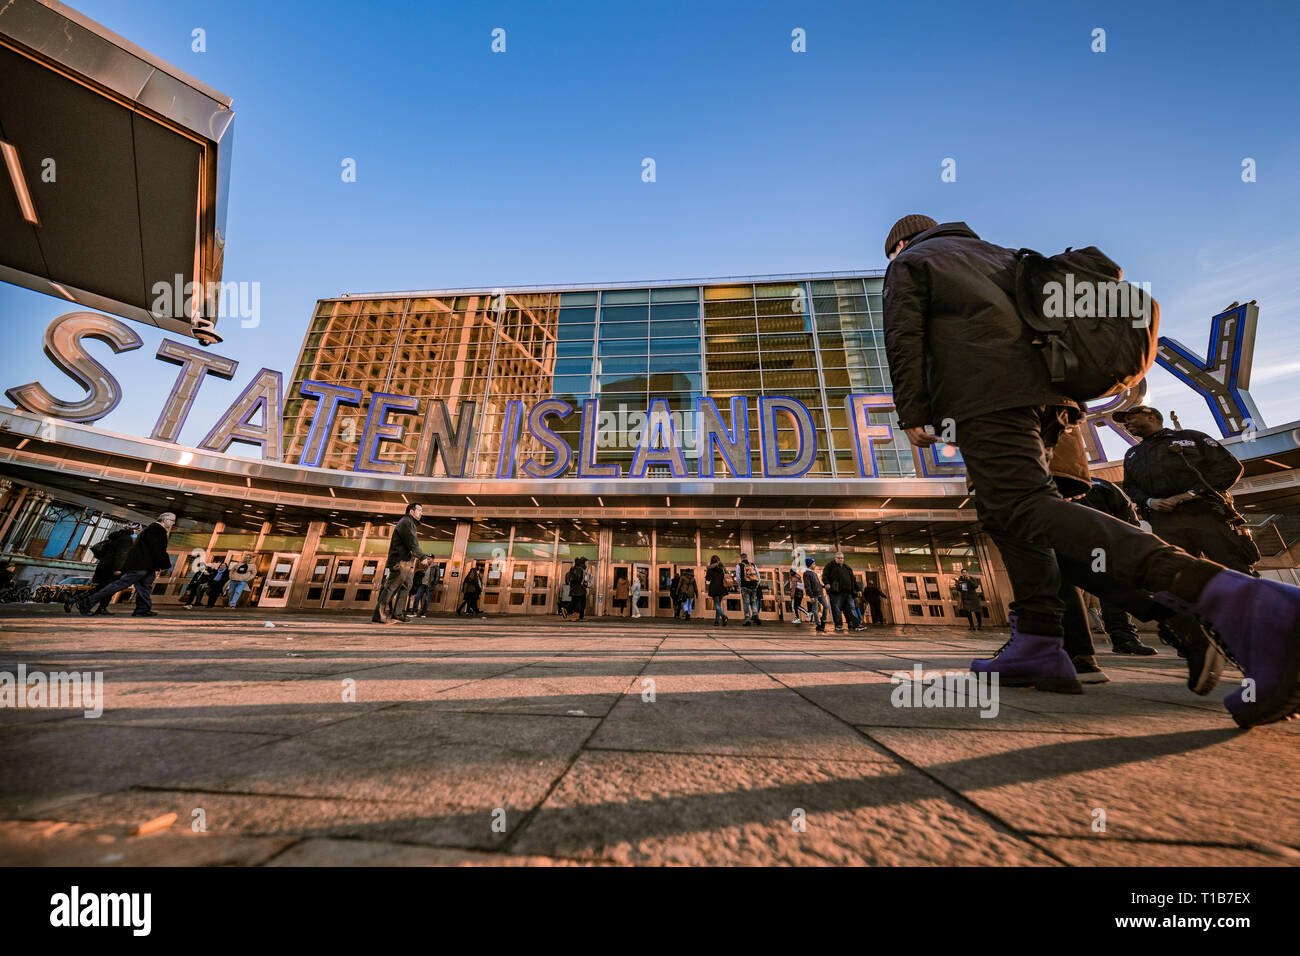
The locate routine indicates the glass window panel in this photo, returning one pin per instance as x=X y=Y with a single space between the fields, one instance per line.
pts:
x=571 y=384
x=620 y=296
x=624 y=347
x=624 y=330
x=661 y=313
x=838 y=287
x=574 y=348
x=676 y=328
x=575 y=332
x=577 y=298
x=675 y=382
x=782 y=307
x=728 y=292
x=734 y=362
x=626 y=313
x=622 y=383
x=623 y=366
x=579 y=366
x=778 y=290
x=688 y=293
x=577 y=316
x=673 y=363
x=658 y=345
x=723 y=309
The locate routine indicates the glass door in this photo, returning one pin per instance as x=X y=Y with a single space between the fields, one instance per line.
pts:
x=923 y=600
x=279 y=577
x=494 y=585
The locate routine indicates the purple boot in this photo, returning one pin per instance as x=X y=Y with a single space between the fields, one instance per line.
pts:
x=1258 y=622
x=1032 y=659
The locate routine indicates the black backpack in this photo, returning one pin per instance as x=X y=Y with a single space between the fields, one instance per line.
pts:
x=1100 y=348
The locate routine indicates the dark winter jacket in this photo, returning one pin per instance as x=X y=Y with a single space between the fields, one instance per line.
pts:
x=576 y=580
x=715 y=581
x=405 y=543
x=838 y=578
x=1158 y=467
x=149 y=552
x=968 y=593
x=112 y=554
x=955 y=342
x=1109 y=498
x=812 y=584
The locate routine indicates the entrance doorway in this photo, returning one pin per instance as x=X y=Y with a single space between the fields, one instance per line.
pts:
x=343 y=581
x=923 y=600
x=279 y=576
x=530 y=587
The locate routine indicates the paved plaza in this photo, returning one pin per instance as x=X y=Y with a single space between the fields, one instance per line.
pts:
x=327 y=740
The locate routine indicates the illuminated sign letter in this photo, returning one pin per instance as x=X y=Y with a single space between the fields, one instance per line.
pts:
x=510 y=438
x=865 y=434
x=262 y=394
x=587 y=465
x=1222 y=378
x=768 y=409
x=538 y=429
x=733 y=444
x=437 y=440
x=63 y=345
x=194 y=364
x=1104 y=414
x=379 y=430
x=322 y=423
x=653 y=434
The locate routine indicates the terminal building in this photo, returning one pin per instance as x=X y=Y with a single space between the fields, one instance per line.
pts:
x=644 y=426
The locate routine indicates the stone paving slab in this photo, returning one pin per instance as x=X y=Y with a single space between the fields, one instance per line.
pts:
x=508 y=741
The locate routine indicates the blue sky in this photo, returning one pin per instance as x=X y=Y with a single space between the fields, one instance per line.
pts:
x=482 y=168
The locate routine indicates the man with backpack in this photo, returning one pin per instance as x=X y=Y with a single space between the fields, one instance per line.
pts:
x=747 y=578
x=111 y=552
x=964 y=361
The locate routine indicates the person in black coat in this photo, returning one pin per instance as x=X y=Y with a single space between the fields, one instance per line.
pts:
x=217 y=581
x=399 y=573
x=112 y=555
x=144 y=559
x=715 y=584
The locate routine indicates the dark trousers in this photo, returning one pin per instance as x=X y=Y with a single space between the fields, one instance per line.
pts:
x=1078 y=635
x=1119 y=626
x=1017 y=502
x=973 y=618
x=193 y=593
x=578 y=605
x=420 y=599
x=1201 y=533
x=392 y=596
x=142 y=581
x=877 y=612
x=843 y=608
x=214 y=591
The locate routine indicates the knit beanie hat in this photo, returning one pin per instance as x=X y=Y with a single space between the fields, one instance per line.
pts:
x=808 y=562
x=906 y=228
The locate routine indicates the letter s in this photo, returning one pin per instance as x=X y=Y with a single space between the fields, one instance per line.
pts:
x=63 y=346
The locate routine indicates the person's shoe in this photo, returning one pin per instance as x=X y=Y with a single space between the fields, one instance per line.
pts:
x=83 y=607
x=1189 y=639
x=1130 y=644
x=796 y=621
x=1257 y=621
x=821 y=628
x=860 y=627
x=144 y=613
x=758 y=622
x=401 y=619
x=1037 y=660
x=1085 y=665
x=67 y=606
x=101 y=612
x=746 y=624
x=376 y=619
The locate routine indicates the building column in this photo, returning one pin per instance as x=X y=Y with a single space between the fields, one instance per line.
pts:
x=13 y=508
x=893 y=581
x=997 y=585
x=261 y=536
x=217 y=528
x=605 y=561
x=456 y=567
x=306 y=560
x=38 y=504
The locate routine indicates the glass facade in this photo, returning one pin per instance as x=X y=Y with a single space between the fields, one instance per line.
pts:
x=813 y=340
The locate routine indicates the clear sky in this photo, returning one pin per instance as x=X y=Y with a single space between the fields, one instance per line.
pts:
x=477 y=168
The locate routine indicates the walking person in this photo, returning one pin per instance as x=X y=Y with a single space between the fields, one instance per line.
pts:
x=111 y=553
x=621 y=591
x=240 y=577
x=399 y=571
x=874 y=596
x=747 y=578
x=674 y=592
x=565 y=600
x=689 y=592
x=715 y=585
x=576 y=579
x=636 y=592
x=841 y=584
x=969 y=598
x=470 y=591
x=417 y=591
x=144 y=559
x=794 y=581
x=962 y=360
x=816 y=592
